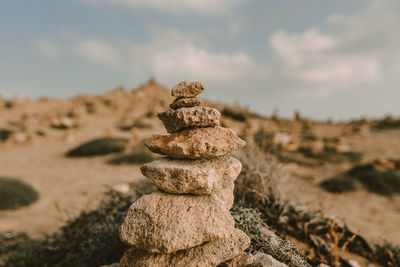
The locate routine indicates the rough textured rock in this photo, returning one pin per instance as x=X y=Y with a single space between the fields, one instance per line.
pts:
x=226 y=195
x=200 y=177
x=209 y=254
x=265 y=260
x=175 y=120
x=243 y=259
x=165 y=223
x=185 y=102
x=196 y=143
x=187 y=89
x=112 y=265
x=187 y=222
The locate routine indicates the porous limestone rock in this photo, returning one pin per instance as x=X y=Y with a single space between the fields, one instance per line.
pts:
x=187 y=222
x=112 y=265
x=185 y=102
x=200 y=177
x=264 y=260
x=164 y=223
x=226 y=195
x=243 y=259
x=207 y=255
x=175 y=120
x=196 y=143
x=187 y=89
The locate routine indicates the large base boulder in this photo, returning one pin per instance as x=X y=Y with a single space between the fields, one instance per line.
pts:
x=164 y=223
x=209 y=254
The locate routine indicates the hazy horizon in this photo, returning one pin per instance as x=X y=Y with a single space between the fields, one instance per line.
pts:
x=338 y=60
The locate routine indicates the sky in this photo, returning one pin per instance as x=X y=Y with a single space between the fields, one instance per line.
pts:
x=328 y=59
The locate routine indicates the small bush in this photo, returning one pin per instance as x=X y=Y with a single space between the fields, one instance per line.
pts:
x=339 y=184
x=235 y=115
x=354 y=156
x=136 y=124
x=15 y=193
x=5 y=134
x=133 y=158
x=90 y=107
x=309 y=137
x=388 y=123
x=257 y=188
x=139 y=155
x=384 y=182
x=9 y=241
x=263 y=140
x=387 y=254
x=89 y=240
x=141 y=125
x=100 y=146
x=263 y=239
x=9 y=104
x=261 y=174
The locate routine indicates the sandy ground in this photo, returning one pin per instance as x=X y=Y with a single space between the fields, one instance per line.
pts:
x=376 y=217
x=68 y=186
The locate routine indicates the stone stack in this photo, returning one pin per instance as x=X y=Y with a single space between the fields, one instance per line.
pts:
x=187 y=222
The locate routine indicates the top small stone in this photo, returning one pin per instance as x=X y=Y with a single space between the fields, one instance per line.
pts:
x=187 y=89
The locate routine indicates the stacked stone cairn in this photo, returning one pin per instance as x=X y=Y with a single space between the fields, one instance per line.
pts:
x=187 y=221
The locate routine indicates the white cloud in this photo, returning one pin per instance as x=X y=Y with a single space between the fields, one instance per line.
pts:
x=316 y=58
x=99 y=52
x=296 y=48
x=201 y=6
x=48 y=49
x=191 y=62
x=344 y=53
x=171 y=56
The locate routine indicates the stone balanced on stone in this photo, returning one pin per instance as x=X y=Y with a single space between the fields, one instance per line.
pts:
x=187 y=222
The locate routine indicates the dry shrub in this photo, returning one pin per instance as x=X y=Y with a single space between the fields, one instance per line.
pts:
x=139 y=155
x=139 y=124
x=263 y=239
x=261 y=176
x=15 y=193
x=340 y=184
x=91 y=239
x=98 y=147
x=387 y=123
x=9 y=241
x=385 y=182
x=387 y=254
x=5 y=134
x=258 y=187
x=235 y=114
